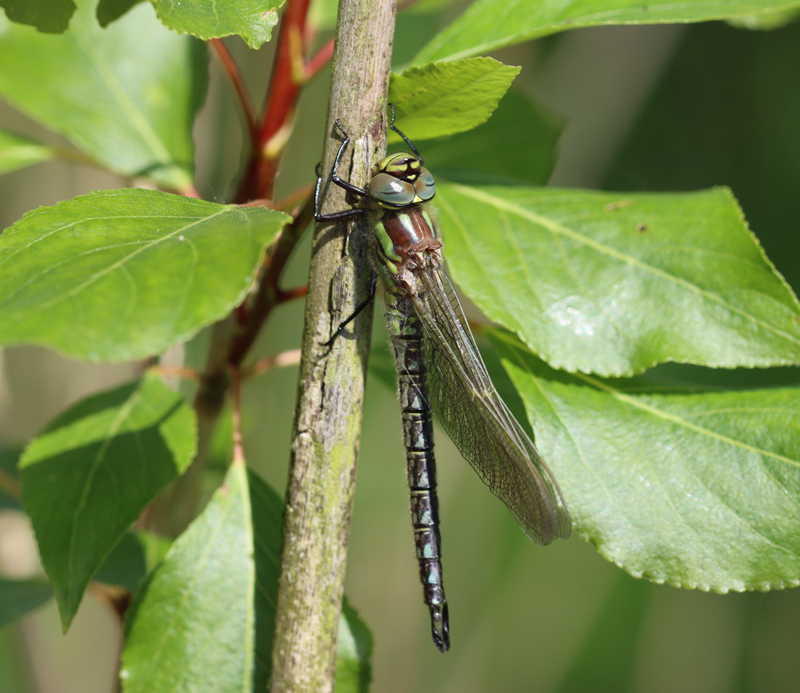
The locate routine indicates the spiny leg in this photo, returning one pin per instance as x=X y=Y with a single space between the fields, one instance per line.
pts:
x=402 y=134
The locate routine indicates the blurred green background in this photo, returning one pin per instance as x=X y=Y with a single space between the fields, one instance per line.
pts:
x=645 y=108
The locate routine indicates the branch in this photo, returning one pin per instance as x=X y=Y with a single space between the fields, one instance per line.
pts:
x=235 y=76
x=327 y=427
x=10 y=485
x=275 y=128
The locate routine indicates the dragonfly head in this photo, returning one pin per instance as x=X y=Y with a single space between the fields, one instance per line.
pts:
x=400 y=180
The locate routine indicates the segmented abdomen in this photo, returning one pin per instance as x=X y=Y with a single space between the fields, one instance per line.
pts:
x=406 y=332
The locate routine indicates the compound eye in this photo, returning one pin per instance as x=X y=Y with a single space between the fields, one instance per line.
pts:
x=425 y=185
x=391 y=191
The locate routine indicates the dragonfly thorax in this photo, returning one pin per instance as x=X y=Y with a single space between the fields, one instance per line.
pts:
x=400 y=180
x=407 y=239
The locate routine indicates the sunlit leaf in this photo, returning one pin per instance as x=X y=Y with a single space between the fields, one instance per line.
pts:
x=206 y=19
x=613 y=283
x=766 y=21
x=697 y=490
x=354 y=663
x=445 y=98
x=89 y=475
x=123 y=274
x=204 y=622
x=126 y=95
x=491 y=24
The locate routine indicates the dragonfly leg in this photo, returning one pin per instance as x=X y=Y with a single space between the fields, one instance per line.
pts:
x=402 y=134
x=333 y=216
x=359 y=308
x=335 y=173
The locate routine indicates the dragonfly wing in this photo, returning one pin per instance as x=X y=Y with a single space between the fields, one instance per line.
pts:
x=477 y=420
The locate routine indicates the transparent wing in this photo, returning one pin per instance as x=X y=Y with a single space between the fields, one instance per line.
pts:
x=477 y=420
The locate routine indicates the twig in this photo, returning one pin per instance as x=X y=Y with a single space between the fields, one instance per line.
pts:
x=235 y=76
x=319 y=60
x=297 y=197
x=10 y=485
x=277 y=120
x=236 y=396
x=177 y=372
x=292 y=294
x=268 y=293
x=289 y=357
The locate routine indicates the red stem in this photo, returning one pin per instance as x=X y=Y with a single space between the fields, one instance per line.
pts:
x=232 y=70
x=291 y=294
x=268 y=292
x=178 y=372
x=236 y=396
x=259 y=177
x=319 y=60
x=285 y=358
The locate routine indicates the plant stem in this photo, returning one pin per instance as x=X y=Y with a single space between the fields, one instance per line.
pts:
x=284 y=87
x=10 y=485
x=235 y=76
x=327 y=427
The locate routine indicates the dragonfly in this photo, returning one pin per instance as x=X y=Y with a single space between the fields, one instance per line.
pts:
x=440 y=369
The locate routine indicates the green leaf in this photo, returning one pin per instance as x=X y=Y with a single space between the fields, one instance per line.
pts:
x=123 y=274
x=613 y=283
x=445 y=98
x=207 y=19
x=132 y=559
x=110 y=10
x=126 y=95
x=204 y=621
x=89 y=475
x=17 y=152
x=515 y=146
x=696 y=490
x=491 y=24
x=193 y=628
x=766 y=21
x=50 y=16
x=19 y=597
x=353 y=665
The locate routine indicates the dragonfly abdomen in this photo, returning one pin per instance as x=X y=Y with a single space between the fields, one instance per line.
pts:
x=405 y=329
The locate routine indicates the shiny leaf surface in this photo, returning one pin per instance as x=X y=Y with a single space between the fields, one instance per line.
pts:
x=697 y=490
x=613 y=283
x=491 y=24
x=206 y=19
x=445 y=98
x=205 y=620
x=123 y=274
